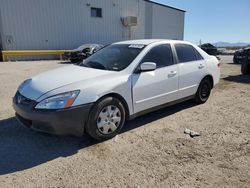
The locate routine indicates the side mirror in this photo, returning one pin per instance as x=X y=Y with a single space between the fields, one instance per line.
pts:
x=147 y=66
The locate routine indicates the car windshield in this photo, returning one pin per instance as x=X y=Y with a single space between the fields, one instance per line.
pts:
x=114 y=57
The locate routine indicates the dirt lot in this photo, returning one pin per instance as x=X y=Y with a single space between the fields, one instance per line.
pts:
x=152 y=151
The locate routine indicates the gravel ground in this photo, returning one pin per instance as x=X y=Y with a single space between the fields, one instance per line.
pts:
x=152 y=150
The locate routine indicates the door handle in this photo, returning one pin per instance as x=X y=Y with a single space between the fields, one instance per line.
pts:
x=201 y=66
x=172 y=73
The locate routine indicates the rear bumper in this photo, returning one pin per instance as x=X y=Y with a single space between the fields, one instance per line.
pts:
x=69 y=121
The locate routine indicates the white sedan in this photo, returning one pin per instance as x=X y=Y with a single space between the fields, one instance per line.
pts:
x=118 y=83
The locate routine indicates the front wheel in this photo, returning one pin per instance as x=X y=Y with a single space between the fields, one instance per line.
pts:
x=203 y=91
x=106 y=119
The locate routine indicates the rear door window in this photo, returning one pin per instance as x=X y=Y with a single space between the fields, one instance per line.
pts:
x=186 y=53
x=198 y=55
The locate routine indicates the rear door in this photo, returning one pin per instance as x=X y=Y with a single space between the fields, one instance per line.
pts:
x=192 y=69
x=156 y=87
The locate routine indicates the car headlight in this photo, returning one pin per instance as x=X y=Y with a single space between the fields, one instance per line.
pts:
x=59 y=101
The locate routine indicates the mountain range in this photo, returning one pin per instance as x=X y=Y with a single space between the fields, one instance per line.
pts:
x=228 y=44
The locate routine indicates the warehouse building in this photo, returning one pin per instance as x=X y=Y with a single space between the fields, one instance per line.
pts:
x=66 y=24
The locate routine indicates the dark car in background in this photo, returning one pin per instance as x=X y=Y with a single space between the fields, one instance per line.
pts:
x=210 y=49
x=240 y=55
x=82 y=52
x=245 y=67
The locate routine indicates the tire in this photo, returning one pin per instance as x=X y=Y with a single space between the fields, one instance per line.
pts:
x=203 y=91
x=235 y=60
x=245 y=68
x=101 y=130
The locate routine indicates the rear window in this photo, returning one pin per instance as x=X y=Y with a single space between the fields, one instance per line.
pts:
x=186 y=53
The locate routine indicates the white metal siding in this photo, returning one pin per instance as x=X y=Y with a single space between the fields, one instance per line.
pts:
x=167 y=23
x=66 y=24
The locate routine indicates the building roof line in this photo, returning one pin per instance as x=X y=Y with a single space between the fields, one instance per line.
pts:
x=149 y=1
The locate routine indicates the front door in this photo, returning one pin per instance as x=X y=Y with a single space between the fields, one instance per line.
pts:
x=156 y=87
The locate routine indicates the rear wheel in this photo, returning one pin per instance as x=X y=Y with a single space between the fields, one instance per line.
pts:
x=245 y=68
x=203 y=91
x=106 y=119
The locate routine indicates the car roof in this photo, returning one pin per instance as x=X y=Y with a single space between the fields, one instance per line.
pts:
x=90 y=45
x=147 y=41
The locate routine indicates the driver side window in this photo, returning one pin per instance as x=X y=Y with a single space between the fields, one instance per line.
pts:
x=161 y=55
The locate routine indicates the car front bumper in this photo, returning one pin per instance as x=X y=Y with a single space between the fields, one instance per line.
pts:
x=69 y=121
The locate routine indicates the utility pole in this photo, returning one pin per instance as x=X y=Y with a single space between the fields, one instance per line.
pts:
x=200 y=42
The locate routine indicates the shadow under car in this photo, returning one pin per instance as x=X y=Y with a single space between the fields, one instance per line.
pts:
x=22 y=148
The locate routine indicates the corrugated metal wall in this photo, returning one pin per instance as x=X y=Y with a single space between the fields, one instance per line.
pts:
x=167 y=22
x=66 y=24
x=164 y=22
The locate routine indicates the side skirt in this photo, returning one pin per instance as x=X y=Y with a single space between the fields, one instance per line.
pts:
x=131 y=117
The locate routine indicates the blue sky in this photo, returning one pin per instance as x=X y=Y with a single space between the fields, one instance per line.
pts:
x=215 y=20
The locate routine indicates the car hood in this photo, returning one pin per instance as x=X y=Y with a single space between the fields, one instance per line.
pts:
x=57 y=78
